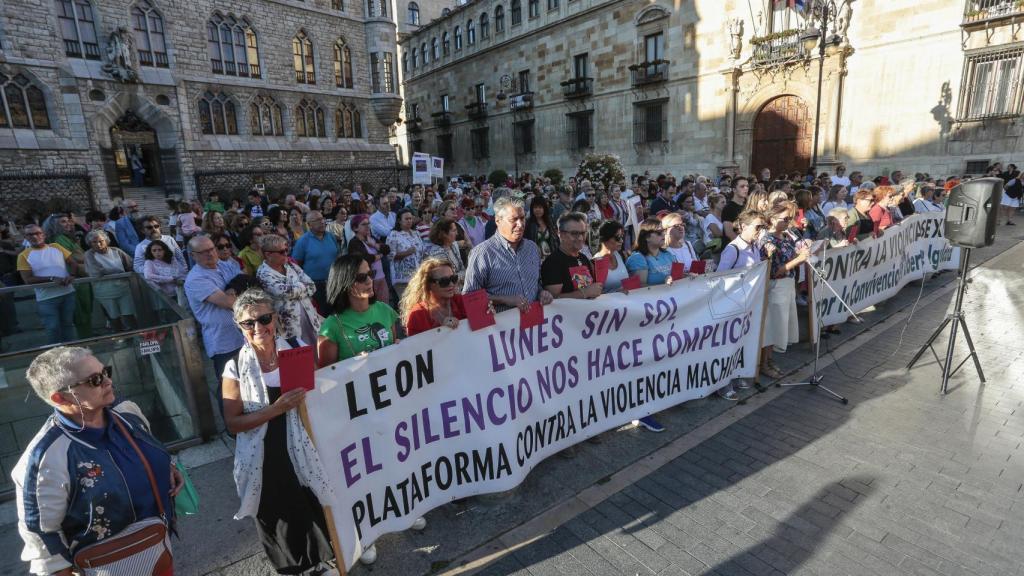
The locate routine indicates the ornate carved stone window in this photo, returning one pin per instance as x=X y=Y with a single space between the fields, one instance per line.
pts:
x=485 y=26
x=499 y=19
x=309 y=119
x=517 y=12
x=348 y=122
x=302 y=59
x=414 y=13
x=342 y=64
x=217 y=114
x=78 y=29
x=150 y=43
x=265 y=117
x=470 y=32
x=22 y=104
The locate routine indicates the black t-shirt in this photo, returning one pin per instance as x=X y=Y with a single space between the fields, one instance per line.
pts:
x=731 y=212
x=555 y=270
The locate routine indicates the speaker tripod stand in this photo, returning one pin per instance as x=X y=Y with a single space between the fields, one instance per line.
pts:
x=956 y=320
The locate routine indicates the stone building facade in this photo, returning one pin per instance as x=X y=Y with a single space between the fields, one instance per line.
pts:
x=704 y=85
x=178 y=87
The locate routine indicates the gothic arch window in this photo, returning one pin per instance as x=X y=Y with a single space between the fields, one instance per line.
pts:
x=435 y=53
x=78 y=29
x=446 y=45
x=485 y=26
x=499 y=19
x=534 y=7
x=309 y=119
x=302 y=59
x=445 y=12
x=517 y=12
x=377 y=8
x=458 y=38
x=423 y=54
x=338 y=5
x=22 y=104
x=414 y=14
x=348 y=122
x=265 y=117
x=405 y=62
x=342 y=64
x=217 y=114
x=150 y=43
x=232 y=47
x=470 y=32
x=414 y=56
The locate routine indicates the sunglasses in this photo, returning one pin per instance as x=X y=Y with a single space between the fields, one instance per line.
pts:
x=446 y=281
x=619 y=238
x=363 y=277
x=223 y=246
x=97 y=379
x=264 y=320
x=151 y=227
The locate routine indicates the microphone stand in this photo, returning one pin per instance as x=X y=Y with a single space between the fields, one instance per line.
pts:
x=816 y=379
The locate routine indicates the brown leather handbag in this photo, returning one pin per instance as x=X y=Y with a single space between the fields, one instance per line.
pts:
x=142 y=548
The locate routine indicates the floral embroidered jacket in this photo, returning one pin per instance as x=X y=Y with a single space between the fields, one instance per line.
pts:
x=72 y=494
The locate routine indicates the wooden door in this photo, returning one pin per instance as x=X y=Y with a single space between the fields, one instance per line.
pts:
x=782 y=137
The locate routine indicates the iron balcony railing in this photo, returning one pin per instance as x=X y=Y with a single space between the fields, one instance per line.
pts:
x=521 y=101
x=778 y=49
x=578 y=87
x=477 y=110
x=442 y=119
x=414 y=124
x=983 y=10
x=649 y=72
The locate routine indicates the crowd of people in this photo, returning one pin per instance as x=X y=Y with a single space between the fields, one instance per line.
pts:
x=350 y=272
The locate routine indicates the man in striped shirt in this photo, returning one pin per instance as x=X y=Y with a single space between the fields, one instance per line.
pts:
x=506 y=264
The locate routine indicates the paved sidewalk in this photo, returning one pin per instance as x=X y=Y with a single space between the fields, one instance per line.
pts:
x=902 y=480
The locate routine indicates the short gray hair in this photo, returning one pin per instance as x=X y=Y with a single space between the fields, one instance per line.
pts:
x=867 y=186
x=251 y=298
x=506 y=202
x=269 y=241
x=96 y=233
x=53 y=370
x=571 y=217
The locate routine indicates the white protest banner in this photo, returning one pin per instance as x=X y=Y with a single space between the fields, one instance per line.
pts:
x=436 y=167
x=875 y=269
x=453 y=413
x=420 y=168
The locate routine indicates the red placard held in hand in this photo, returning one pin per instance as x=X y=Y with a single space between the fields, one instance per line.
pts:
x=533 y=316
x=601 y=268
x=296 y=368
x=580 y=277
x=632 y=283
x=475 y=304
x=698 y=267
x=678 y=270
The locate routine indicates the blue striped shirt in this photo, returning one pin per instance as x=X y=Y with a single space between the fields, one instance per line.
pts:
x=496 y=266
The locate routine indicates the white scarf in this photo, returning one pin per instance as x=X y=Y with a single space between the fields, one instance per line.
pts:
x=248 y=470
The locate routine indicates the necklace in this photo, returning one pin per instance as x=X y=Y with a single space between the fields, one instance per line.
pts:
x=440 y=319
x=268 y=365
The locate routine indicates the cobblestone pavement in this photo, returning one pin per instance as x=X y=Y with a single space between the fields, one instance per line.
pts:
x=902 y=480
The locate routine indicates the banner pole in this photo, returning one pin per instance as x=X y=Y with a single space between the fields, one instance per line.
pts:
x=764 y=313
x=335 y=541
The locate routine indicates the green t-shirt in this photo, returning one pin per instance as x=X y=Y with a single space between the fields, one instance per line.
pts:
x=357 y=332
x=213 y=207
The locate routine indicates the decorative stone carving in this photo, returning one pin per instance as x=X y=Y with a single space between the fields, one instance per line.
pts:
x=735 y=37
x=119 y=62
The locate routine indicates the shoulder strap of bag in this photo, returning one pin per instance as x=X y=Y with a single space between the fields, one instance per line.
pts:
x=145 y=464
x=293 y=342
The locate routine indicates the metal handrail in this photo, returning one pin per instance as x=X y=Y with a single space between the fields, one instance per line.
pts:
x=86 y=341
x=76 y=281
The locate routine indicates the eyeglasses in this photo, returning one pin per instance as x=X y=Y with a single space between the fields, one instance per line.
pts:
x=363 y=277
x=263 y=319
x=207 y=251
x=97 y=379
x=446 y=281
x=284 y=251
x=619 y=238
x=223 y=246
x=152 y=227
x=575 y=233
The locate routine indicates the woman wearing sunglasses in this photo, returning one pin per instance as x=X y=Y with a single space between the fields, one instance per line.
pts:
x=93 y=471
x=277 y=470
x=432 y=298
x=359 y=323
x=786 y=255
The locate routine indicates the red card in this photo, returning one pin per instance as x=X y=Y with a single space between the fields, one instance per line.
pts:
x=678 y=270
x=698 y=266
x=533 y=316
x=475 y=304
x=601 y=268
x=580 y=277
x=296 y=368
x=632 y=283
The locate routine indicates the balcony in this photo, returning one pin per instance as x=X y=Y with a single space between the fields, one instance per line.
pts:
x=577 y=88
x=442 y=119
x=777 y=47
x=651 y=72
x=978 y=11
x=477 y=110
x=521 y=101
x=414 y=125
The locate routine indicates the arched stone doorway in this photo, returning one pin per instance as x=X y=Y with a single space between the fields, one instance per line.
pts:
x=136 y=152
x=782 y=136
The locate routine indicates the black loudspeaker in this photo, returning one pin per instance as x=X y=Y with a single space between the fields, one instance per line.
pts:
x=972 y=211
